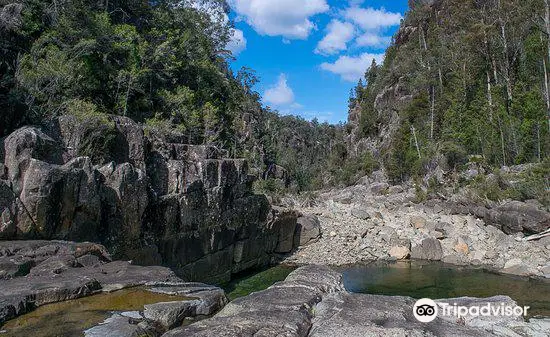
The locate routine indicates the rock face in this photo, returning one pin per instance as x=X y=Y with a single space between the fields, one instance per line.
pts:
x=144 y=194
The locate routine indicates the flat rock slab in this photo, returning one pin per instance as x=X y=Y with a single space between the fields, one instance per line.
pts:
x=53 y=273
x=312 y=302
x=285 y=309
x=204 y=301
x=359 y=315
x=120 y=326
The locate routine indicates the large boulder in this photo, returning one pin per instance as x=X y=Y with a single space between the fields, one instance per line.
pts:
x=60 y=201
x=22 y=146
x=427 y=249
x=203 y=300
x=284 y=223
x=308 y=230
x=517 y=216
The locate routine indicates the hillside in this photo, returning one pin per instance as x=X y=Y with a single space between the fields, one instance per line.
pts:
x=163 y=64
x=460 y=79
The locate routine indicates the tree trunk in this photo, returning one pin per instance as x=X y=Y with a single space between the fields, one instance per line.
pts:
x=506 y=62
x=432 y=111
x=489 y=97
x=547 y=28
x=416 y=141
x=546 y=92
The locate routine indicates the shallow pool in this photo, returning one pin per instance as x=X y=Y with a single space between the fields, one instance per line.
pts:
x=438 y=280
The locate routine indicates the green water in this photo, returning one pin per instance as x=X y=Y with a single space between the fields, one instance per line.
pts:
x=435 y=280
x=248 y=283
x=71 y=318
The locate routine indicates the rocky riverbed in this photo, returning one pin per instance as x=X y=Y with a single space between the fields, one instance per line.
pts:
x=312 y=301
x=85 y=285
x=375 y=221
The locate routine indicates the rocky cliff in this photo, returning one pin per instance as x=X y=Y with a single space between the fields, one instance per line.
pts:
x=143 y=193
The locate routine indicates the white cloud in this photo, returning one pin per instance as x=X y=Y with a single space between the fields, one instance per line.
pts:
x=287 y=18
x=237 y=43
x=373 y=40
x=352 y=68
x=280 y=93
x=372 y=19
x=338 y=35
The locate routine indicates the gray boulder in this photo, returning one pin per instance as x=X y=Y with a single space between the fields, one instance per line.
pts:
x=203 y=300
x=308 y=230
x=427 y=249
x=23 y=145
x=517 y=216
x=360 y=213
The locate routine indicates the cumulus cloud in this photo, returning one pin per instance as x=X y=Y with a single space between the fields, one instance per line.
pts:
x=287 y=18
x=338 y=35
x=237 y=43
x=373 y=40
x=352 y=68
x=372 y=19
x=279 y=94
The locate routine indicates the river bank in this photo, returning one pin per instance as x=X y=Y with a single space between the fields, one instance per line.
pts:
x=376 y=222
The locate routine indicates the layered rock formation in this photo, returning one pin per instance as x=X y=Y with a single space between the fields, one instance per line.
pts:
x=145 y=194
x=34 y=273
x=312 y=301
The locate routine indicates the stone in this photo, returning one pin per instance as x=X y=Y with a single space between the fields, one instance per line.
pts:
x=308 y=230
x=25 y=144
x=120 y=326
x=333 y=234
x=399 y=252
x=427 y=249
x=379 y=188
x=517 y=216
x=170 y=314
x=396 y=189
x=418 y=222
x=360 y=213
x=461 y=247
x=285 y=223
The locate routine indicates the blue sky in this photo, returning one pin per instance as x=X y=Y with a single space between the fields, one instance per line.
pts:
x=308 y=54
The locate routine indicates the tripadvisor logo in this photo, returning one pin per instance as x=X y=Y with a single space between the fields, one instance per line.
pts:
x=426 y=310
